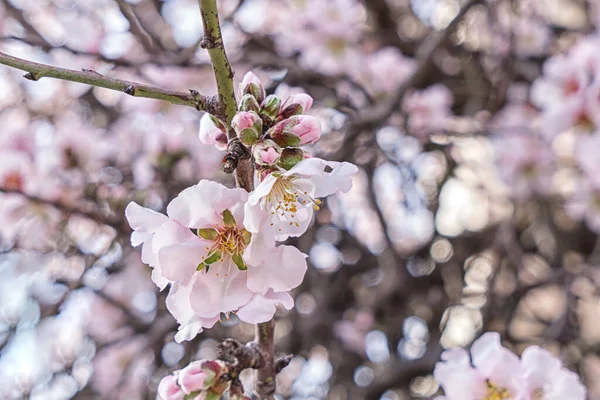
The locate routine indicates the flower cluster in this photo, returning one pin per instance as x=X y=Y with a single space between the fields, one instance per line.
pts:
x=492 y=372
x=217 y=247
x=556 y=133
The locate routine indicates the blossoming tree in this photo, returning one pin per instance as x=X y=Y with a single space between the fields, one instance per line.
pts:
x=364 y=175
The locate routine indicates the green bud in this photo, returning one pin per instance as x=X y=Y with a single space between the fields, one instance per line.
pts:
x=249 y=103
x=228 y=219
x=291 y=140
x=290 y=157
x=269 y=109
x=256 y=90
x=239 y=261
x=290 y=110
x=248 y=136
x=208 y=233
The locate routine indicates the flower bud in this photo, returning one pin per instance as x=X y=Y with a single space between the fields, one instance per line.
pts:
x=269 y=109
x=295 y=104
x=290 y=157
x=212 y=132
x=249 y=103
x=213 y=369
x=192 y=378
x=169 y=390
x=248 y=126
x=266 y=152
x=252 y=85
x=296 y=131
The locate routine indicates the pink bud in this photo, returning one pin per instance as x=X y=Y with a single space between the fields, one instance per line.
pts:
x=251 y=85
x=192 y=377
x=169 y=390
x=250 y=78
x=308 y=129
x=266 y=152
x=301 y=98
x=268 y=155
x=212 y=134
x=244 y=119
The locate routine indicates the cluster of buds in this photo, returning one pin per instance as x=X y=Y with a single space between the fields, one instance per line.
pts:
x=273 y=130
x=200 y=380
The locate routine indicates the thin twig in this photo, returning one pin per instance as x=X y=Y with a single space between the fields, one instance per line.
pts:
x=136 y=27
x=35 y=71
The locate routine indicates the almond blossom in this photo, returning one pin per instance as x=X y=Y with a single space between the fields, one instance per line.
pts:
x=285 y=201
x=221 y=267
x=492 y=372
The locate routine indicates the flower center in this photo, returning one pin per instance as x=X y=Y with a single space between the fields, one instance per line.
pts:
x=493 y=392
x=228 y=243
x=285 y=196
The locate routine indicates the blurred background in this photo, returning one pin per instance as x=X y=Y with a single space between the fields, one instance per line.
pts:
x=476 y=207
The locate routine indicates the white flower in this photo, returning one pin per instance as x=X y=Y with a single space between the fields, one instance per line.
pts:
x=284 y=202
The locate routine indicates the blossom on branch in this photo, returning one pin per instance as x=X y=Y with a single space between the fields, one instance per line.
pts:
x=214 y=264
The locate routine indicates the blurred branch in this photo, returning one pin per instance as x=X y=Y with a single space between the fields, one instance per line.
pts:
x=386 y=25
x=35 y=71
x=96 y=215
x=183 y=61
x=372 y=117
x=136 y=27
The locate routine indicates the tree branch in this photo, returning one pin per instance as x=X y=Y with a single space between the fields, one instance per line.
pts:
x=96 y=215
x=265 y=385
x=36 y=71
x=372 y=117
x=213 y=41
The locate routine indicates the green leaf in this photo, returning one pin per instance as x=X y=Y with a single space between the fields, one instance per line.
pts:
x=208 y=233
x=228 y=219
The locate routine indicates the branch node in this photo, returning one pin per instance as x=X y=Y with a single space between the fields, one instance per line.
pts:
x=236 y=152
x=130 y=90
x=207 y=43
x=32 y=76
x=90 y=71
x=283 y=362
